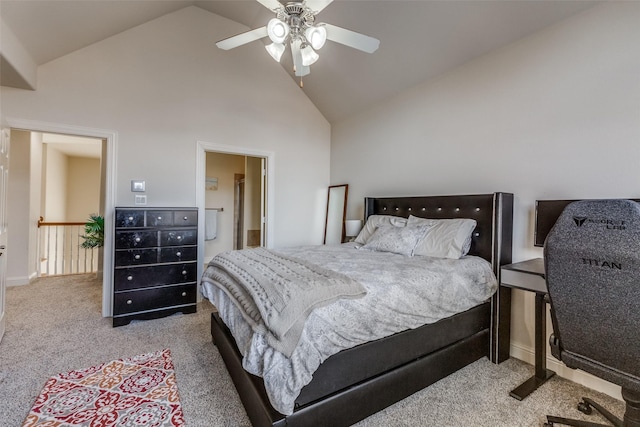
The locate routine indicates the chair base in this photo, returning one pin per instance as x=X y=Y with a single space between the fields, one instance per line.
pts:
x=585 y=407
x=631 y=415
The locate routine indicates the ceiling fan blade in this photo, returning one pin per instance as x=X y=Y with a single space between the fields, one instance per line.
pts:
x=317 y=5
x=351 y=38
x=272 y=5
x=242 y=38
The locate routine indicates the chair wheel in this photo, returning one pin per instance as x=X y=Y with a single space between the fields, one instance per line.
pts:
x=585 y=408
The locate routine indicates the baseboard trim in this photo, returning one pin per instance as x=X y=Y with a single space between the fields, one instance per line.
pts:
x=527 y=354
x=18 y=281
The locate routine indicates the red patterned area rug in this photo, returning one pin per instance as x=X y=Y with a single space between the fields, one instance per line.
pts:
x=139 y=391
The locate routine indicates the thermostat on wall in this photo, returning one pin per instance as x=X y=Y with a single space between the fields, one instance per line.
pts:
x=137 y=186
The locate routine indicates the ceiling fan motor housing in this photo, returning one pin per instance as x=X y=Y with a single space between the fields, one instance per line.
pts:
x=299 y=17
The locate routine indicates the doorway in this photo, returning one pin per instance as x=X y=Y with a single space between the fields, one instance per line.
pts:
x=56 y=185
x=234 y=200
x=108 y=142
x=257 y=229
x=71 y=189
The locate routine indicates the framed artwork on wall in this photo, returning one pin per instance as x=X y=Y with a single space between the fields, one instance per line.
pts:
x=211 y=184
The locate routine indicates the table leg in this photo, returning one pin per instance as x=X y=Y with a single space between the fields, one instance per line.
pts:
x=542 y=374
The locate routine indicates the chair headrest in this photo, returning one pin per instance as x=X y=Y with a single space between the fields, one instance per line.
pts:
x=597 y=220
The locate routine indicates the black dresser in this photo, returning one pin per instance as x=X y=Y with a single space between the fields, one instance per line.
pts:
x=155 y=263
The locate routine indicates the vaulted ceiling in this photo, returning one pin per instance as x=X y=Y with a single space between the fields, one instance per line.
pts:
x=419 y=40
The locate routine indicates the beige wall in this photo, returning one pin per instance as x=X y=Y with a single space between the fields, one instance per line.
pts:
x=56 y=170
x=224 y=167
x=18 y=268
x=555 y=115
x=83 y=188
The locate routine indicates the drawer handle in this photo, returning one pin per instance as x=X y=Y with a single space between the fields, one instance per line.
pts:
x=129 y=278
x=184 y=294
x=136 y=256
x=178 y=253
x=185 y=218
x=179 y=237
x=159 y=218
x=130 y=218
x=129 y=302
x=184 y=272
x=137 y=239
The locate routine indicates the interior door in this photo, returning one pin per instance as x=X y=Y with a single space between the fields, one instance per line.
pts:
x=4 y=181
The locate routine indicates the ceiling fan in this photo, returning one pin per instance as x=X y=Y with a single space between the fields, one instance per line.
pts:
x=295 y=23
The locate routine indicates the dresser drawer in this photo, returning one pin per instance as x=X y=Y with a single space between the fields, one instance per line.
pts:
x=129 y=218
x=179 y=237
x=159 y=218
x=155 y=298
x=136 y=256
x=136 y=239
x=185 y=218
x=156 y=275
x=178 y=253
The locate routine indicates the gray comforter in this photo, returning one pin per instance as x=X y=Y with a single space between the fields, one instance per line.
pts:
x=402 y=293
x=276 y=293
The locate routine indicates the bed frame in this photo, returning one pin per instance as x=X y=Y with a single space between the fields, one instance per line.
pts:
x=344 y=390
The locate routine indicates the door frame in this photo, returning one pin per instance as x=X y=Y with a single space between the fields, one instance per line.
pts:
x=202 y=147
x=111 y=138
x=5 y=150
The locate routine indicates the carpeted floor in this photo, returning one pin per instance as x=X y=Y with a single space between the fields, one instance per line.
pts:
x=54 y=325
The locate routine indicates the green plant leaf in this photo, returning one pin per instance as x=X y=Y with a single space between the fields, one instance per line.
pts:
x=94 y=232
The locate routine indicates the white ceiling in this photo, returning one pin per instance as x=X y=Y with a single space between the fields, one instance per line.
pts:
x=419 y=40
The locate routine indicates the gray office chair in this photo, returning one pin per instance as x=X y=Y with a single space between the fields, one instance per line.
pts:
x=592 y=263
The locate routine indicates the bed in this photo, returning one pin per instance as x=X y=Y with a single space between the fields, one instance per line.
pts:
x=356 y=382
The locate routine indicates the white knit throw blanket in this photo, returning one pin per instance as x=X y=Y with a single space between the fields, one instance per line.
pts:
x=276 y=293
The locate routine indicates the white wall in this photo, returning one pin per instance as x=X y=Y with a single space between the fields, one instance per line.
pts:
x=19 y=68
x=163 y=86
x=553 y=116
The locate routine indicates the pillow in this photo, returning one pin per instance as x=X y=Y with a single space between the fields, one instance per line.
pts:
x=398 y=240
x=447 y=238
x=377 y=220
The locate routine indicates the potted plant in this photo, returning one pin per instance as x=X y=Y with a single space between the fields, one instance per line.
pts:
x=94 y=232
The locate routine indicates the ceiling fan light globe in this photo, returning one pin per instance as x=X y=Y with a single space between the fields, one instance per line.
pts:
x=316 y=36
x=277 y=30
x=275 y=50
x=309 y=56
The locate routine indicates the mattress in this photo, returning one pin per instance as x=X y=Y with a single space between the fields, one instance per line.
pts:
x=402 y=293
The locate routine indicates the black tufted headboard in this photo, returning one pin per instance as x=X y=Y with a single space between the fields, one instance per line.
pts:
x=491 y=238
